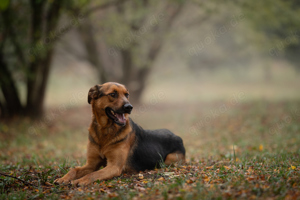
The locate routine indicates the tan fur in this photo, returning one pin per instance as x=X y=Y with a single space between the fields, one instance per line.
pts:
x=175 y=158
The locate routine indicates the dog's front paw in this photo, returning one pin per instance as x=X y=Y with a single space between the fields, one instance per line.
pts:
x=62 y=180
x=82 y=182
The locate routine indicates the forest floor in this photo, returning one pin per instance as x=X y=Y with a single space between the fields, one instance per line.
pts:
x=235 y=150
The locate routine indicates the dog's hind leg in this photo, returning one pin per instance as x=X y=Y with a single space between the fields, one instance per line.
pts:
x=176 y=157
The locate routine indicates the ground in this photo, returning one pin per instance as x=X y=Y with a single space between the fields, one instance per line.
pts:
x=235 y=149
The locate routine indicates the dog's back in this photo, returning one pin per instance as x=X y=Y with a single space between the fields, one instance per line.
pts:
x=152 y=147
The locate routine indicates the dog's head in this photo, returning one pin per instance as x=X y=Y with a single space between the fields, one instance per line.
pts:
x=111 y=99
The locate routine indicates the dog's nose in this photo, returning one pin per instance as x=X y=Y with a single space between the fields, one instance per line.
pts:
x=127 y=108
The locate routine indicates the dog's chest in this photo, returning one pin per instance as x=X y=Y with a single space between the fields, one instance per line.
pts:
x=102 y=155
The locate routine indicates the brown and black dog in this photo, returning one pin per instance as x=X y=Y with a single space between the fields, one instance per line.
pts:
x=117 y=144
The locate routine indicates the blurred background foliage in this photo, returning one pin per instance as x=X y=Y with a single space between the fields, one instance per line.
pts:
x=53 y=51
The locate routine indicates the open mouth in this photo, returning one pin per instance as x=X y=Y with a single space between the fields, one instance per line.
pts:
x=118 y=118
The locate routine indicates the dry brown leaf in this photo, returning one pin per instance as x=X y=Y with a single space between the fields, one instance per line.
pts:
x=189 y=181
x=227 y=167
x=141 y=176
x=251 y=178
x=111 y=195
x=261 y=147
x=169 y=173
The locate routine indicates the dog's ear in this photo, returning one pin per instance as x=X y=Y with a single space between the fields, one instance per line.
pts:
x=94 y=93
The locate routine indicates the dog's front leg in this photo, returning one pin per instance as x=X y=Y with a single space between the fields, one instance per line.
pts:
x=116 y=161
x=94 y=161
x=103 y=174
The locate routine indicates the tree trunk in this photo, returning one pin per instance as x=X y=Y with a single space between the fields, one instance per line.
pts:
x=141 y=78
x=52 y=18
x=86 y=32
x=32 y=76
x=37 y=111
x=12 y=105
x=126 y=66
x=40 y=66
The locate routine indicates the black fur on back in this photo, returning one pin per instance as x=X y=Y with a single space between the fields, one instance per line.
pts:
x=152 y=147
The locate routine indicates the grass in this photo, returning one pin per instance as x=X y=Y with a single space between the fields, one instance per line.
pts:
x=249 y=150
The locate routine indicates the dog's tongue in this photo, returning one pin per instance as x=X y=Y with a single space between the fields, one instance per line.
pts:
x=121 y=118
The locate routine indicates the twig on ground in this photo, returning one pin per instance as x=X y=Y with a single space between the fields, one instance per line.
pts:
x=24 y=182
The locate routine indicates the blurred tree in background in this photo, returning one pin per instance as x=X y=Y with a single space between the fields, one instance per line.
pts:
x=26 y=48
x=30 y=32
x=122 y=39
x=273 y=28
x=123 y=42
x=279 y=22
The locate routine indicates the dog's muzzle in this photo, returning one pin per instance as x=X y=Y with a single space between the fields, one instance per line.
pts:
x=127 y=108
x=118 y=116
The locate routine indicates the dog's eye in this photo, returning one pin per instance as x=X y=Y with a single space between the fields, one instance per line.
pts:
x=127 y=95
x=113 y=95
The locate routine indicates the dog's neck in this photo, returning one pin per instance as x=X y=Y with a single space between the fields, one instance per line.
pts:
x=102 y=128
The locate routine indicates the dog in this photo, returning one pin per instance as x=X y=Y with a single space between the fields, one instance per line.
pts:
x=117 y=144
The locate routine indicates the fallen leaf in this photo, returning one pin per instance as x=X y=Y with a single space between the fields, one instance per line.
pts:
x=206 y=179
x=193 y=179
x=141 y=176
x=46 y=191
x=140 y=189
x=49 y=184
x=189 y=181
x=261 y=147
x=250 y=170
x=294 y=185
x=293 y=167
x=102 y=190
x=111 y=195
x=264 y=187
x=251 y=178
x=169 y=173
x=226 y=167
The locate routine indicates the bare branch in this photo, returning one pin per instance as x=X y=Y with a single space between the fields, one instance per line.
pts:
x=103 y=6
x=12 y=35
x=68 y=49
x=25 y=182
x=158 y=43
